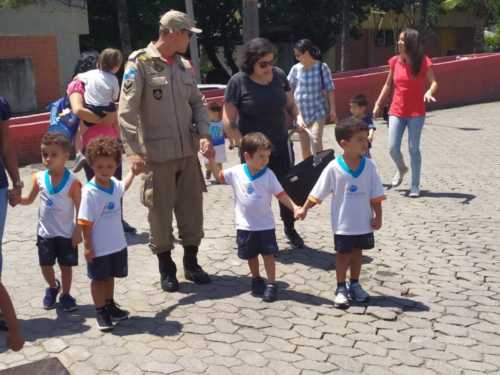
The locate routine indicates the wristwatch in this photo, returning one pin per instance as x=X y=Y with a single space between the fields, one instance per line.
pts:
x=18 y=184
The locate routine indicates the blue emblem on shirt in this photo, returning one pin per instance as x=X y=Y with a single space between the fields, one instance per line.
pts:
x=50 y=203
x=352 y=189
x=111 y=206
x=250 y=189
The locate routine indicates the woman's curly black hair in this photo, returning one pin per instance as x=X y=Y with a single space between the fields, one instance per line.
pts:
x=253 y=51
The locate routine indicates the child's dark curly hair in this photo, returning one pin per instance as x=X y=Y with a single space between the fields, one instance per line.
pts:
x=103 y=147
x=58 y=139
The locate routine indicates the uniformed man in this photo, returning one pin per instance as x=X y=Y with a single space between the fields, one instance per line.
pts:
x=164 y=123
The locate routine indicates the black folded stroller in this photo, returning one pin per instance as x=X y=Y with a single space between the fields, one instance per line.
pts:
x=301 y=178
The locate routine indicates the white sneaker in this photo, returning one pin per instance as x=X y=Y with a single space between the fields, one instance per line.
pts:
x=414 y=192
x=398 y=177
x=80 y=161
x=357 y=293
x=341 y=301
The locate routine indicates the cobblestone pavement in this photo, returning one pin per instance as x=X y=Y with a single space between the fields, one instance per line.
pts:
x=434 y=280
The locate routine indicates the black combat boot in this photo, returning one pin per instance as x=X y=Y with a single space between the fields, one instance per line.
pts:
x=192 y=270
x=168 y=270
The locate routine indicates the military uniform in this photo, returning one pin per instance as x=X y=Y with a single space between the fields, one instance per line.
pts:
x=159 y=104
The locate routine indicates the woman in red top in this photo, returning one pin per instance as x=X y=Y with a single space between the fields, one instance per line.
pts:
x=409 y=72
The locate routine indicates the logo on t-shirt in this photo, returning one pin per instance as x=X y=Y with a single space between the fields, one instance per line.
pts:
x=50 y=203
x=250 y=189
x=352 y=188
x=110 y=206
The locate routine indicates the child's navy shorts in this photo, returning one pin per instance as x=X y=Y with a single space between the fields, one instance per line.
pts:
x=60 y=248
x=253 y=243
x=106 y=266
x=345 y=243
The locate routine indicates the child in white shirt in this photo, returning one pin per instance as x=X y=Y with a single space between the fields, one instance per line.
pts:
x=57 y=233
x=254 y=186
x=217 y=136
x=356 y=207
x=101 y=93
x=103 y=235
x=101 y=85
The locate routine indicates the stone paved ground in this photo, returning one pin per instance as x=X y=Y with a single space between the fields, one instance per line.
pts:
x=434 y=280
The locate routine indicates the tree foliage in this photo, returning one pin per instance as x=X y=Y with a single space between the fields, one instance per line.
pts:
x=17 y=3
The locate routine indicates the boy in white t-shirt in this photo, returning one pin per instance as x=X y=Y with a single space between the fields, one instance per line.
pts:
x=57 y=233
x=103 y=235
x=254 y=186
x=356 y=207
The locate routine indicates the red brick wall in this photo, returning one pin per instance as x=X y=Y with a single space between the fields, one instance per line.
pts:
x=42 y=50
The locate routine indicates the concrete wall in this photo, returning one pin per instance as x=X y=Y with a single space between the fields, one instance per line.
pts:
x=53 y=18
x=17 y=84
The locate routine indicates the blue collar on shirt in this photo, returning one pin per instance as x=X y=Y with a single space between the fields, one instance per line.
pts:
x=346 y=168
x=102 y=188
x=255 y=176
x=56 y=189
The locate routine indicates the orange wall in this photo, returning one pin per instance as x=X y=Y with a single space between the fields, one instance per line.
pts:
x=42 y=50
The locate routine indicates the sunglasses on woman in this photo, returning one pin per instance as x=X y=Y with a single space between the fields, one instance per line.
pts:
x=265 y=64
x=189 y=33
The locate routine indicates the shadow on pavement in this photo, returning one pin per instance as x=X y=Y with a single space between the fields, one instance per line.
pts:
x=66 y=323
x=229 y=286
x=466 y=198
x=405 y=304
x=320 y=259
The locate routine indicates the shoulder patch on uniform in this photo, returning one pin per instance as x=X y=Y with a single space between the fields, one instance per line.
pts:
x=145 y=57
x=128 y=86
x=134 y=55
x=130 y=73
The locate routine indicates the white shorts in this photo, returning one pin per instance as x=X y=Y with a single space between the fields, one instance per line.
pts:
x=220 y=155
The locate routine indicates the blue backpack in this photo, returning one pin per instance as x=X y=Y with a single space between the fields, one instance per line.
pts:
x=5 y=112
x=62 y=119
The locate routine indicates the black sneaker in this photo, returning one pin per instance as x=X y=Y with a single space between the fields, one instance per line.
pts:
x=3 y=323
x=50 y=298
x=104 y=322
x=127 y=228
x=294 y=238
x=115 y=312
x=258 y=286
x=197 y=275
x=270 y=293
x=169 y=283
x=67 y=302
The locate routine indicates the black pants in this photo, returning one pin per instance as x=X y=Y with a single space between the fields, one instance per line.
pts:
x=280 y=162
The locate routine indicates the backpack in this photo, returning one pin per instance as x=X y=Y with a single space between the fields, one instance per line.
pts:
x=5 y=112
x=62 y=119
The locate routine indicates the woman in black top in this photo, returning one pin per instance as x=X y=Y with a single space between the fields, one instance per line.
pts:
x=255 y=101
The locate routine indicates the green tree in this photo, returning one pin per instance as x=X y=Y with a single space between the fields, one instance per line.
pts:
x=17 y=3
x=221 y=23
x=484 y=11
